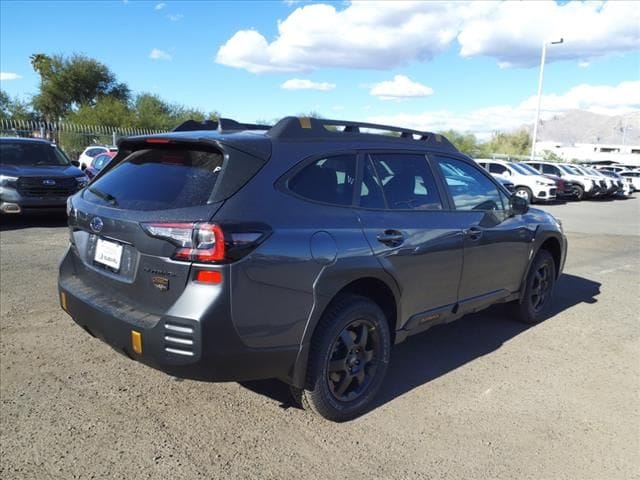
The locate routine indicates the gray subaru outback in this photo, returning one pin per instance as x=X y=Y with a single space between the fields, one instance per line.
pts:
x=302 y=251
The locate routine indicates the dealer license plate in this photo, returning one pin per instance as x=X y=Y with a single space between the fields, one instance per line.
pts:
x=108 y=253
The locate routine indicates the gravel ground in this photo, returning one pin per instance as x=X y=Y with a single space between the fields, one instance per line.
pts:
x=483 y=397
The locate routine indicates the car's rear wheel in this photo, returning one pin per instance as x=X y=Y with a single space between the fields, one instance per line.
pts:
x=579 y=192
x=524 y=192
x=349 y=355
x=536 y=302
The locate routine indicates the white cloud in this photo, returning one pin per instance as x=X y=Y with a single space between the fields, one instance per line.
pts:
x=584 y=64
x=401 y=87
x=175 y=17
x=160 y=6
x=513 y=32
x=386 y=35
x=4 y=76
x=603 y=99
x=304 y=84
x=157 y=54
x=378 y=35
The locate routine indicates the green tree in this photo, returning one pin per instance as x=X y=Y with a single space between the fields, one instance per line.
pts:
x=550 y=156
x=14 y=108
x=107 y=111
x=508 y=143
x=67 y=83
x=465 y=142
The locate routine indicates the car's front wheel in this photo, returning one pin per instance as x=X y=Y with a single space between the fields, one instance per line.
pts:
x=349 y=355
x=524 y=192
x=538 y=292
x=579 y=192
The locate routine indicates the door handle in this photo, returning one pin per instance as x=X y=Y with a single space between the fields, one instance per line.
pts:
x=392 y=238
x=473 y=233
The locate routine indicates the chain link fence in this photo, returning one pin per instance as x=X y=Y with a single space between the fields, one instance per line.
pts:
x=73 y=138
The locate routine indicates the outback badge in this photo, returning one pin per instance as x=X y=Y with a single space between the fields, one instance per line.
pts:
x=161 y=283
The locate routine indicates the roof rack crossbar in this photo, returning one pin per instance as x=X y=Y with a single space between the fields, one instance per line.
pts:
x=291 y=128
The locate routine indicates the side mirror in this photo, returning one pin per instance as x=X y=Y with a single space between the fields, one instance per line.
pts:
x=75 y=163
x=518 y=205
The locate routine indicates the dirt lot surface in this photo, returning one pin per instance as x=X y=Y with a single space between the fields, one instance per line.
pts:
x=484 y=397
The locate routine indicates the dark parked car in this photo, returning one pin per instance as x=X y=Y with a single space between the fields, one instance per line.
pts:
x=301 y=252
x=35 y=175
x=98 y=163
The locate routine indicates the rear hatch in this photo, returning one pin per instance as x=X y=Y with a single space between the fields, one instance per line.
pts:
x=129 y=226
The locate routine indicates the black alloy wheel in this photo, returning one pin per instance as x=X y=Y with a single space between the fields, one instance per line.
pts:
x=353 y=362
x=350 y=351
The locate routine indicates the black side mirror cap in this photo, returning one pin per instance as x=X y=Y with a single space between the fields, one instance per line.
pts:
x=518 y=205
x=75 y=163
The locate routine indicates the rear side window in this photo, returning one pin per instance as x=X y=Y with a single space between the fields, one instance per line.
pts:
x=328 y=180
x=159 y=179
x=406 y=181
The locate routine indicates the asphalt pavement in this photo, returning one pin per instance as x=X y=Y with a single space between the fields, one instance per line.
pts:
x=484 y=397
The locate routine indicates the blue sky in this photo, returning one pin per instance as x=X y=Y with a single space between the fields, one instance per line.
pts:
x=429 y=65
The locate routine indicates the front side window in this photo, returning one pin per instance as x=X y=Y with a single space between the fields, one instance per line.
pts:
x=469 y=187
x=406 y=181
x=328 y=180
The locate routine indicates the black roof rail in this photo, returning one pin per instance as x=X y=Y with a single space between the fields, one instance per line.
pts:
x=291 y=128
x=221 y=125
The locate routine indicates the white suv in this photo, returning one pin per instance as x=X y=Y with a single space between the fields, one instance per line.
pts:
x=584 y=187
x=529 y=185
x=91 y=152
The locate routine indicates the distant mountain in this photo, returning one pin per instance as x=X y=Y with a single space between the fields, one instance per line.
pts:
x=580 y=126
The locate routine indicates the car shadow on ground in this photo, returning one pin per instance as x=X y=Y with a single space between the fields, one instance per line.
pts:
x=46 y=220
x=444 y=348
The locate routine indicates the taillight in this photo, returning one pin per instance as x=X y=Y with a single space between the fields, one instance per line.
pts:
x=208 y=242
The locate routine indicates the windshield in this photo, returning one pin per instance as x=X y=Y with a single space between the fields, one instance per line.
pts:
x=569 y=170
x=31 y=154
x=522 y=171
x=100 y=161
x=529 y=168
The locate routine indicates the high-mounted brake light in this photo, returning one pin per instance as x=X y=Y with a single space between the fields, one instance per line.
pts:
x=158 y=140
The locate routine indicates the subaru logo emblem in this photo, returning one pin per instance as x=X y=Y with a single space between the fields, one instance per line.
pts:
x=96 y=224
x=48 y=182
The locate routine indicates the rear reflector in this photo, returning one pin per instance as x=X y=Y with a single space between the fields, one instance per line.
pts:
x=209 y=276
x=136 y=341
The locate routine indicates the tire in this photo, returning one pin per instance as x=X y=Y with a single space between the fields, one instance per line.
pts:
x=349 y=355
x=524 y=192
x=579 y=192
x=538 y=292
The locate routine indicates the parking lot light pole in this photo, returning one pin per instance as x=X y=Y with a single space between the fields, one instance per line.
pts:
x=535 y=125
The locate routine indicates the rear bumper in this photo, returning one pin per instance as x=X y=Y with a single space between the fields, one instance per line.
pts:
x=202 y=348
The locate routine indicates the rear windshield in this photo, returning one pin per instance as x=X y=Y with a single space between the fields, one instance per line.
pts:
x=159 y=179
x=30 y=154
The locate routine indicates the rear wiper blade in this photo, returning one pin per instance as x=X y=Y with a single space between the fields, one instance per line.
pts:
x=107 y=197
